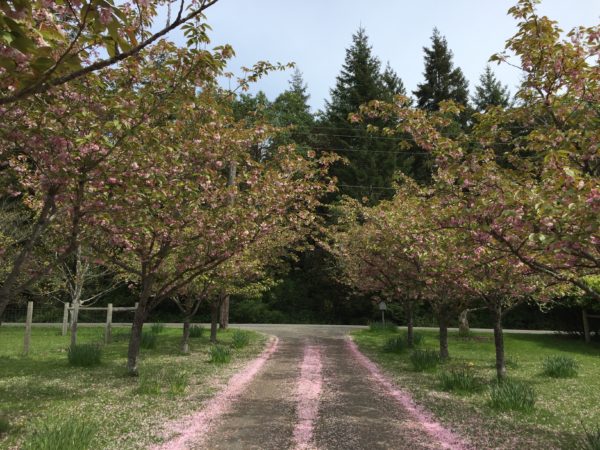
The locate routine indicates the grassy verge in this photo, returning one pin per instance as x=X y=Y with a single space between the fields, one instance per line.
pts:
x=47 y=400
x=564 y=407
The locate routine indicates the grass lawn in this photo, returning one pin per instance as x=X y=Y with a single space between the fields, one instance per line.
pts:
x=563 y=408
x=42 y=391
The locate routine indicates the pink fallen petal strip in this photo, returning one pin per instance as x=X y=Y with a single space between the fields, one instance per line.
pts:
x=308 y=392
x=194 y=429
x=446 y=438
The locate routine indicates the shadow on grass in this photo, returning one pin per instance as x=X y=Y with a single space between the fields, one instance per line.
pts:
x=560 y=342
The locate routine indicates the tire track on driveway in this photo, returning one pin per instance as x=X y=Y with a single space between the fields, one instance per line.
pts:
x=308 y=393
x=265 y=415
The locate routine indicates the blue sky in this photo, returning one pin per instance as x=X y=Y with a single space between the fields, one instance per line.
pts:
x=314 y=34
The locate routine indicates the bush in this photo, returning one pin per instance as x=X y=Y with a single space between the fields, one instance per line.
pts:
x=196 y=331
x=240 y=339
x=4 y=424
x=379 y=327
x=148 y=340
x=512 y=395
x=560 y=367
x=460 y=380
x=61 y=435
x=424 y=359
x=85 y=355
x=157 y=328
x=219 y=354
x=590 y=439
x=396 y=344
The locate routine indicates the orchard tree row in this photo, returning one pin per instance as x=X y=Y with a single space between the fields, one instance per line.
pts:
x=512 y=211
x=120 y=153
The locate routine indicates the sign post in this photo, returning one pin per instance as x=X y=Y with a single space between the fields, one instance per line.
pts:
x=382 y=308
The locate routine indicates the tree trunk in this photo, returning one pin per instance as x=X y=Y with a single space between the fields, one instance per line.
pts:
x=136 y=338
x=74 y=319
x=443 y=323
x=224 y=313
x=463 y=323
x=499 y=342
x=185 y=341
x=410 y=335
x=214 y=321
x=10 y=286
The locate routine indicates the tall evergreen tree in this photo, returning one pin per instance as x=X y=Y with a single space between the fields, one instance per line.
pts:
x=490 y=91
x=291 y=110
x=372 y=161
x=392 y=84
x=442 y=80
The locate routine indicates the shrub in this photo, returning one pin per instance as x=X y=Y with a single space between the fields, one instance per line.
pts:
x=461 y=380
x=383 y=327
x=560 y=367
x=157 y=328
x=240 y=339
x=85 y=355
x=396 y=344
x=61 y=435
x=148 y=340
x=590 y=439
x=512 y=395
x=219 y=354
x=4 y=424
x=196 y=331
x=424 y=359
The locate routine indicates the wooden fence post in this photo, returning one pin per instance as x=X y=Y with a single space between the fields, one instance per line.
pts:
x=586 y=327
x=108 y=329
x=65 y=322
x=27 y=339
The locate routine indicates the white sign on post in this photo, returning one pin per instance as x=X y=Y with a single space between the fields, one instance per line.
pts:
x=382 y=308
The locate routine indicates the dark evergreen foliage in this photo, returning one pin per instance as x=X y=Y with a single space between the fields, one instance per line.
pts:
x=490 y=92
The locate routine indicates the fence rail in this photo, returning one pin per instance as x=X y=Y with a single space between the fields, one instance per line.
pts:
x=30 y=314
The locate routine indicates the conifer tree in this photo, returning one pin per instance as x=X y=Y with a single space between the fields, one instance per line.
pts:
x=291 y=111
x=442 y=80
x=372 y=160
x=490 y=91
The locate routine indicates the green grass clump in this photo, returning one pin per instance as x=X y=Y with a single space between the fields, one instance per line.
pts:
x=560 y=367
x=61 y=435
x=148 y=340
x=149 y=383
x=218 y=354
x=155 y=383
x=4 y=424
x=426 y=359
x=396 y=344
x=157 y=328
x=379 y=327
x=240 y=339
x=513 y=395
x=196 y=331
x=590 y=439
x=459 y=380
x=418 y=339
x=85 y=355
x=177 y=383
